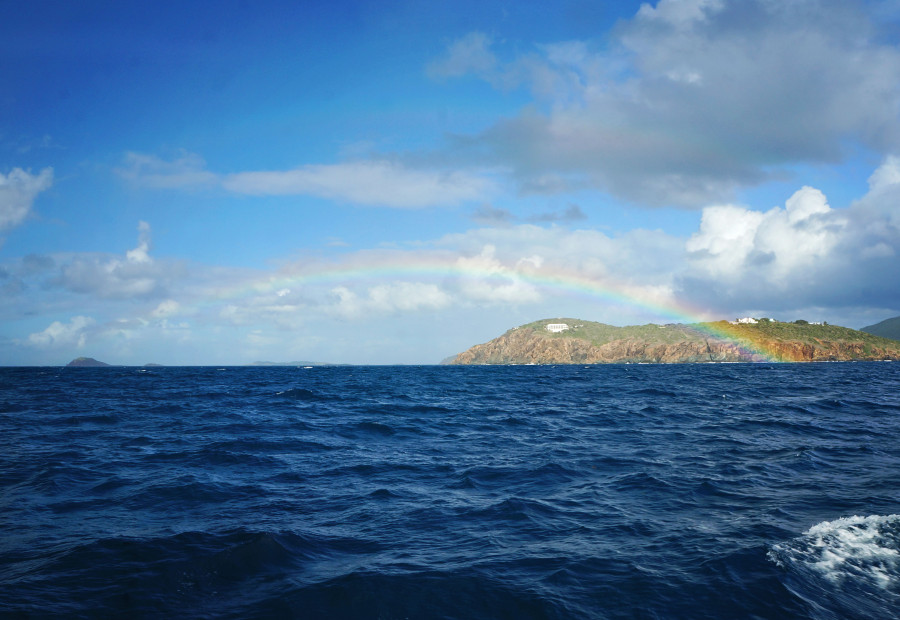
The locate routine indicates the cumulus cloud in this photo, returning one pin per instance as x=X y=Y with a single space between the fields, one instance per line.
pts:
x=641 y=257
x=63 y=334
x=140 y=254
x=493 y=282
x=693 y=99
x=18 y=189
x=780 y=241
x=379 y=182
x=389 y=297
x=804 y=255
x=137 y=275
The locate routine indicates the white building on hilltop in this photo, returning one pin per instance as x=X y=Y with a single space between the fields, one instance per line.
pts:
x=557 y=327
x=747 y=320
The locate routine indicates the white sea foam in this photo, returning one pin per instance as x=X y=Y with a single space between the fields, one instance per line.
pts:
x=866 y=549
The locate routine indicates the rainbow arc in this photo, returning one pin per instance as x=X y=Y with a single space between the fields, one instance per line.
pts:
x=547 y=279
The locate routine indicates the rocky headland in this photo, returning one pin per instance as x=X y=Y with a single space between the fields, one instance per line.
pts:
x=586 y=342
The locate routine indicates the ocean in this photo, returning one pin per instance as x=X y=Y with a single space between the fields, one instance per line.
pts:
x=609 y=491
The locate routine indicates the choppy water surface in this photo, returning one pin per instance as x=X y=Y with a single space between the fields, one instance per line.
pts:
x=698 y=491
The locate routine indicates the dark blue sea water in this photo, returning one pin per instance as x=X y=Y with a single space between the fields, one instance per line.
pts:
x=622 y=491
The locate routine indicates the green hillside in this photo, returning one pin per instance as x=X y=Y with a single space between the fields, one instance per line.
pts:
x=889 y=328
x=590 y=342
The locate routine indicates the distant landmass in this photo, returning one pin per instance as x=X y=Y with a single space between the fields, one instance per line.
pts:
x=86 y=362
x=295 y=364
x=573 y=341
x=889 y=328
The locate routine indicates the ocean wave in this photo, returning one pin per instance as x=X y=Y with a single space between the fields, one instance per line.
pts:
x=865 y=549
x=849 y=567
x=452 y=492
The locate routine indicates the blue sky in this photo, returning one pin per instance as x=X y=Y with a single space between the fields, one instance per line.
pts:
x=361 y=182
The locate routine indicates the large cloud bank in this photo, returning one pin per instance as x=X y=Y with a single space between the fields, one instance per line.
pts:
x=690 y=99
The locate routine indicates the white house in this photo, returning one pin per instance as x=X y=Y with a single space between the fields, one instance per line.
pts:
x=749 y=320
x=557 y=327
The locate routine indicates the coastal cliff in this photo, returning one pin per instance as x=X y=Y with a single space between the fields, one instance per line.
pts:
x=586 y=342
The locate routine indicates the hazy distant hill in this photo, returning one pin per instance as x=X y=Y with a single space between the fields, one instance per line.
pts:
x=86 y=362
x=586 y=342
x=889 y=328
x=294 y=364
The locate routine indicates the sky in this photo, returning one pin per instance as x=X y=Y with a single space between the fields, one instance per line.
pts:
x=393 y=182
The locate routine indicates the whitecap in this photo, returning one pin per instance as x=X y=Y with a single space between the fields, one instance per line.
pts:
x=864 y=550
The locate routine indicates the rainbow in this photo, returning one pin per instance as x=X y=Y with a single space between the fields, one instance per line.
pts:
x=443 y=268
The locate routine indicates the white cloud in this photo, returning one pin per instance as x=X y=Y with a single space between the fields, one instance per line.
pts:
x=63 y=334
x=140 y=254
x=779 y=240
x=407 y=297
x=138 y=275
x=886 y=176
x=18 y=189
x=166 y=309
x=377 y=182
x=493 y=282
x=679 y=12
x=382 y=183
x=389 y=298
x=727 y=234
x=805 y=255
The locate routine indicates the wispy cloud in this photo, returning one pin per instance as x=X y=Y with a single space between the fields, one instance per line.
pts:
x=184 y=171
x=572 y=213
x=469 y=54
x=490 y=215
x=376 y=182
x=380 y=182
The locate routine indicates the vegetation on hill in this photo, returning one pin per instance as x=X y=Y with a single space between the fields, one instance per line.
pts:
x=590 y=342
x=889 y=328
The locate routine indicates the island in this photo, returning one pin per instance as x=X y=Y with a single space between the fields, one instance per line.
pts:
x=86 y=362
x=574 y=341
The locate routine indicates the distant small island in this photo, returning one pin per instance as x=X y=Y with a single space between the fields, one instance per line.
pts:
x=574 y=341
x=86 y=362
